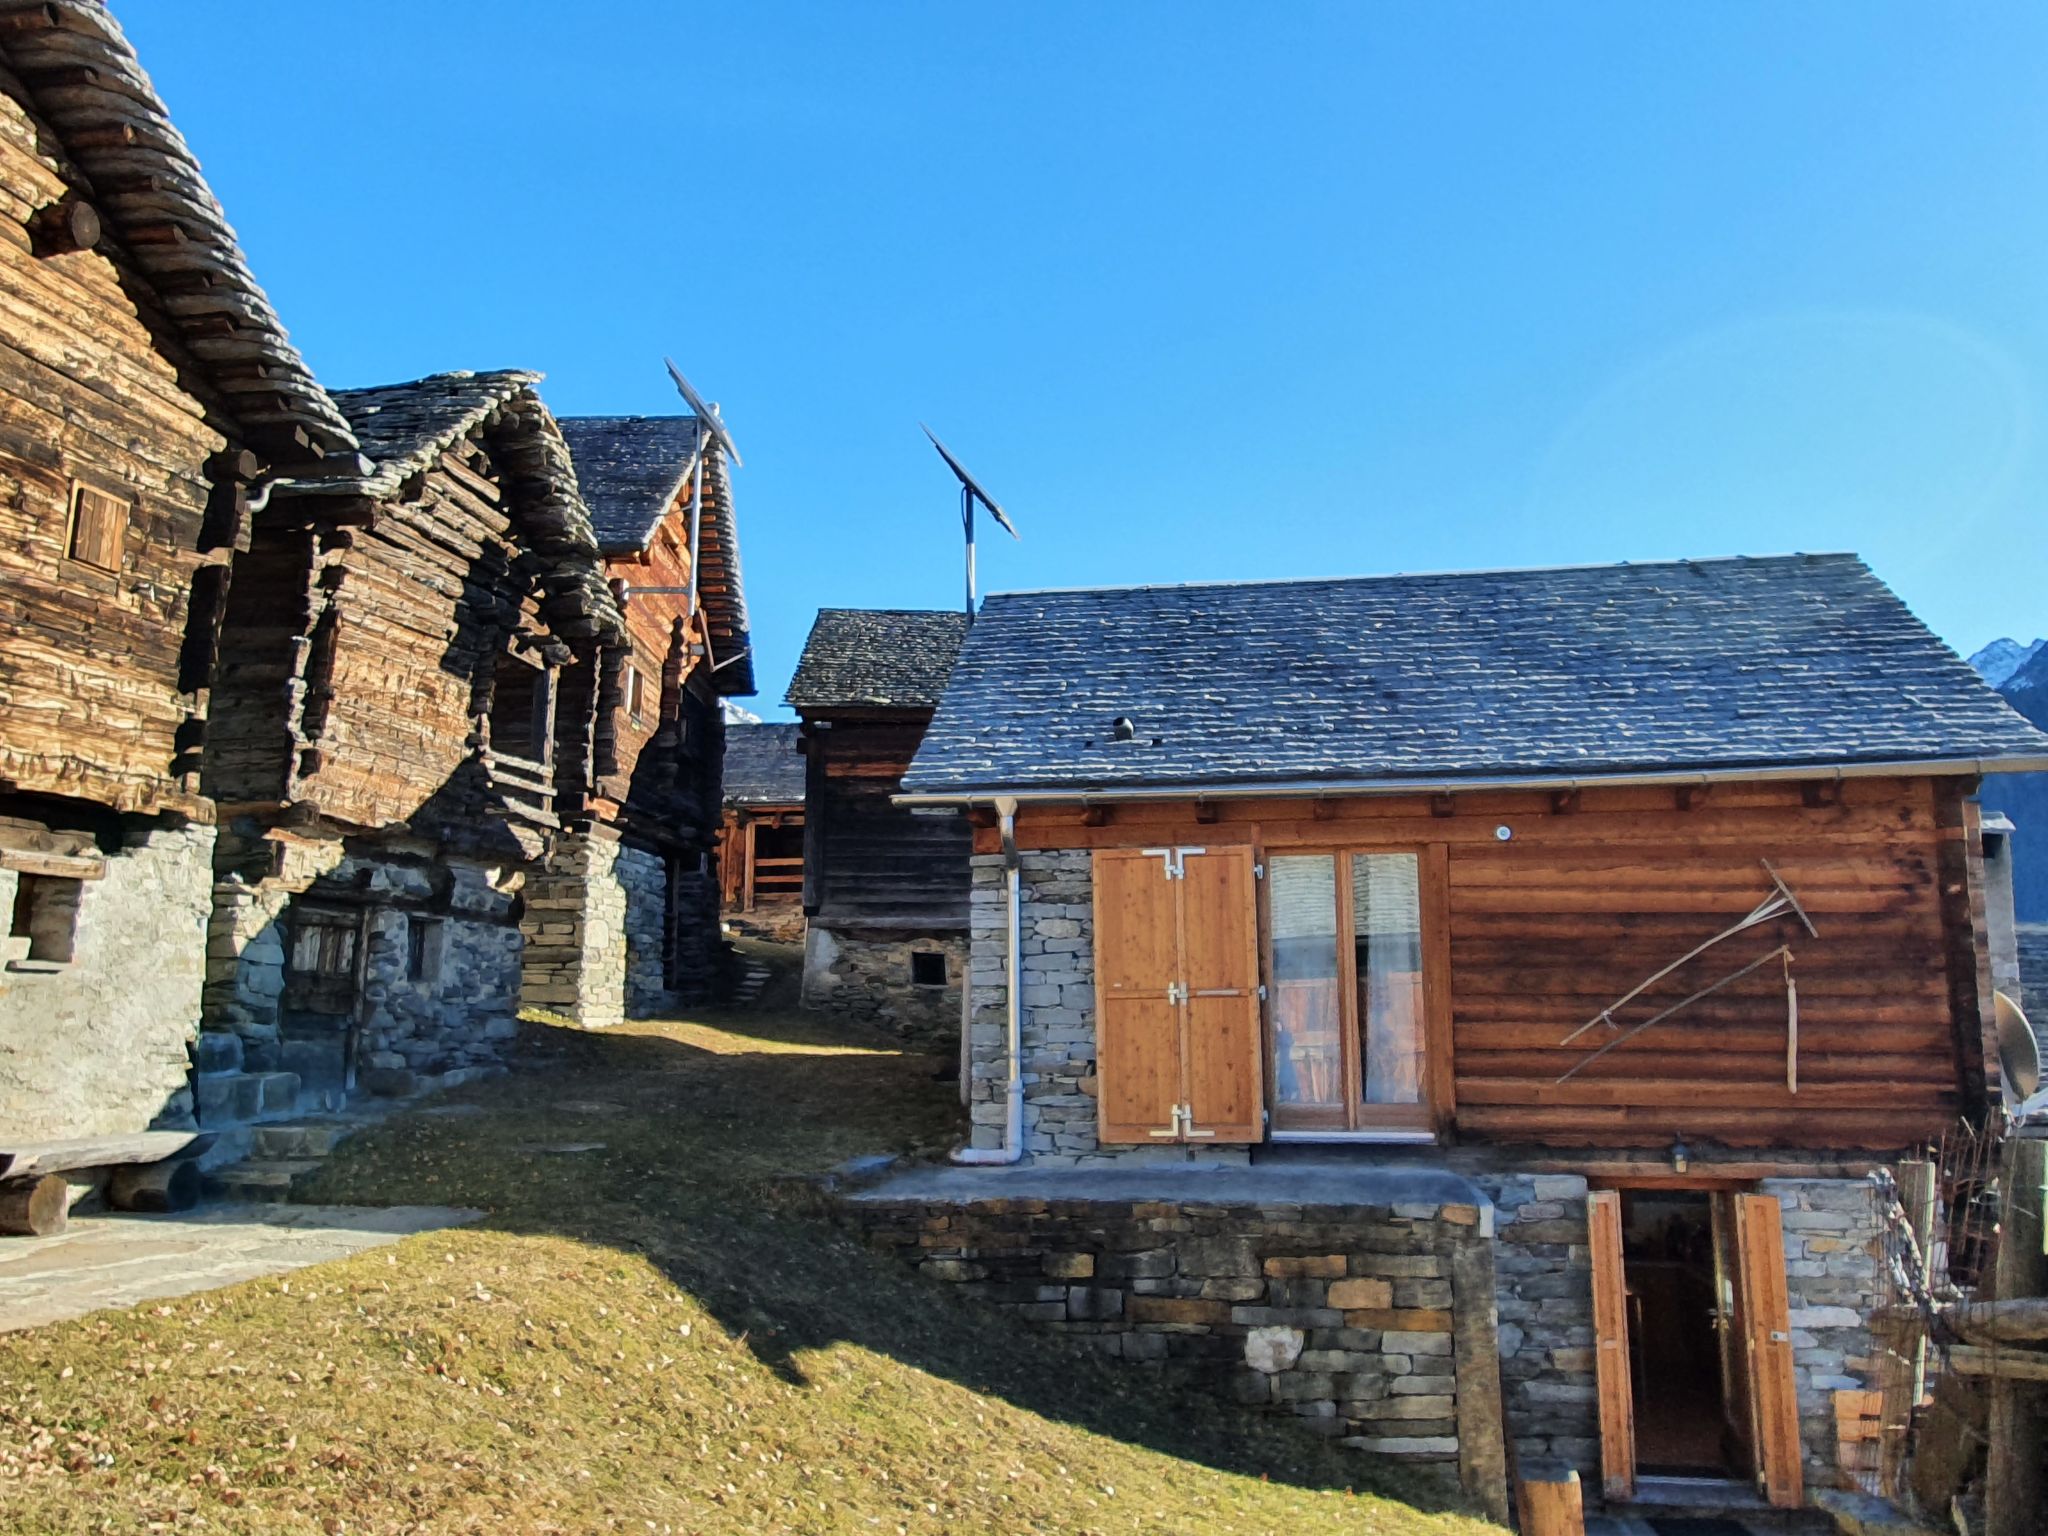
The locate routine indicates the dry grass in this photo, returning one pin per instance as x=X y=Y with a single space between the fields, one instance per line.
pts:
x=655 y=1336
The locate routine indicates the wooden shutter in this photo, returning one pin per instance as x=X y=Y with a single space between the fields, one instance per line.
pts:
x=1610 y=1337
x=1137 y=1026
x=99 y=527
x=1760 y=1240
x=1220 y=939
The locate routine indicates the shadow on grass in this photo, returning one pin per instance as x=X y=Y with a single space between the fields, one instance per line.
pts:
x=697 y=1172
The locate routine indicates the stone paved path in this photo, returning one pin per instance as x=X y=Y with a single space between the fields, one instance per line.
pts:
x=120 y=1261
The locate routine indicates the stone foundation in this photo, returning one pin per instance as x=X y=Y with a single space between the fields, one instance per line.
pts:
x=575 y=927
x=1371 y=1324
x=869 y=975
x=663 y=915
x=98 y=1045
x=1543 y=1288
x=780 y=922
x=444 y=1002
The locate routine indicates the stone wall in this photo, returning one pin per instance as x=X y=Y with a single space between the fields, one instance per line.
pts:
x=2033 y=962
x=98 y=1046
x=1372 y=1324
x=699 y=946
x=455 y=1015
x=1543 y=1278
x=575 y=927
x=869 y=975
x=1832 y=1235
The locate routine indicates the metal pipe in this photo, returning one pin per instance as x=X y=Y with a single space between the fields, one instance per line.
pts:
x=1315 y=789
x=1012 y=1149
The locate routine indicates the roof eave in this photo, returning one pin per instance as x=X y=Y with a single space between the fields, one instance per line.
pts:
x=1311 y=789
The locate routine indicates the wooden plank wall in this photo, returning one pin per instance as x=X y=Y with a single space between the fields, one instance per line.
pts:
x=1592 y=893
x=668 y=791
x=868 y=861
x=89 y=659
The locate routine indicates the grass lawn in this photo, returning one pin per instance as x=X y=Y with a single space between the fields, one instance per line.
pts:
x=654 y=1336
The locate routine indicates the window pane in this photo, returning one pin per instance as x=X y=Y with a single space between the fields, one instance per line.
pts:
x=1308 y=1041
x=1387 y=932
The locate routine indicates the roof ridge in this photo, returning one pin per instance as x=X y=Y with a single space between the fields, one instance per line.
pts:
x=1805 y=556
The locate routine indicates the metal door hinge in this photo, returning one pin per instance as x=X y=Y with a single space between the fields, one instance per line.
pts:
x=1258 y=871
x=1262 y=991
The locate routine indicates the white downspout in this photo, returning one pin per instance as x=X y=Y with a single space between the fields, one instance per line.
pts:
x=1012 y=1149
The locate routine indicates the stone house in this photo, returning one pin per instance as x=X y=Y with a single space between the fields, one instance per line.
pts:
x=406 y=700
x=885 y=886
x=149 y=387
x=631 y=890
x=761 y=844
x=1405 y=1001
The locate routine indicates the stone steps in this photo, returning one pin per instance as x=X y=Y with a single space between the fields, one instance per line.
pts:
x=246 y=1097
x=262 y=1182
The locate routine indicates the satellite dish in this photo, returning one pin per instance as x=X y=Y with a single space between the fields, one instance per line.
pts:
x=971 y=485
x=2019 y=1054
x=706 y=414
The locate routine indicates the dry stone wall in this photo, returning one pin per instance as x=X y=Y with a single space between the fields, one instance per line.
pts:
x=575 y=927
x=98 y=1046
x=1372 y=1324
x=871 y=975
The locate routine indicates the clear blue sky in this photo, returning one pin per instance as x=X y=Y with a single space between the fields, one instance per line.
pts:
x=1200 y=291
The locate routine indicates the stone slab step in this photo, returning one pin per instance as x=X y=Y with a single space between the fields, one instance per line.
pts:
x=298 y=1138
x=266 y=1182
x=247 y=1097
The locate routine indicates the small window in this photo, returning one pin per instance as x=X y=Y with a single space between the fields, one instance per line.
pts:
x=636 y=694
x=423 y=941
x=46 y=914
x=99 y=527
x=324 y=946
x=519 y=710
x=927 y=969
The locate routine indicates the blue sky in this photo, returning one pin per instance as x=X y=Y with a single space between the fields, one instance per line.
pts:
x=1200 y=291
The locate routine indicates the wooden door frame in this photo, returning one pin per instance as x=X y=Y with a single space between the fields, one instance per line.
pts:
x=1767 y=1355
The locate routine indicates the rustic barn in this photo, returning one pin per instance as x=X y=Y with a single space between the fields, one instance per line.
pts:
x=405 y=710
x=885 y=887
x=1630 y=915
x=148 y=385
x=642 y=866
x=761 y=848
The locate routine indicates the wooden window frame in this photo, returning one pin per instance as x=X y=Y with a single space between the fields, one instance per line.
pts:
x=1361 y=1121
x=111 y=547
x=636 y=694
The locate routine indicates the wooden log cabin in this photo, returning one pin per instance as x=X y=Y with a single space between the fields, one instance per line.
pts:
x=1642 y=902
x=146 y=385
x=407 y=701
x=645 y=849
x=761 y=845
x=885 y=887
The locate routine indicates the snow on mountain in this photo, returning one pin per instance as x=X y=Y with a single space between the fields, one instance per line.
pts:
x=2001 y=658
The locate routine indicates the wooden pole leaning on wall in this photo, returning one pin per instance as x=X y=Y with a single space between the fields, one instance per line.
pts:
x=35 y=1207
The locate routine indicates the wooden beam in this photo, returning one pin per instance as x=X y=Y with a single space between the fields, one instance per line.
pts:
x=1442 y=806
x=1820 y=794
x=1563 y=802
x=1691 y=797
x=1097 y=815
x=64 y=227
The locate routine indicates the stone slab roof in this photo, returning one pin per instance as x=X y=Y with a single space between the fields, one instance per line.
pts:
x=873 y=658
x=405 y=427
x=1548 y=674
x=631 y=469
x=762 y=766
x=74 y=69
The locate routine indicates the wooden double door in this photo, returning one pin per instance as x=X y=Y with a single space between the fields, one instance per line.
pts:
x=1177 y=996
x=1758 y=1399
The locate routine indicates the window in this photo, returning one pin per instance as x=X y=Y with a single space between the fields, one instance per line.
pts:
x=519 y=710
x=636 y=694
x=424 y=937
x=99 y=527
x=1347 y=1036
x=927 y=969
x=46 y=915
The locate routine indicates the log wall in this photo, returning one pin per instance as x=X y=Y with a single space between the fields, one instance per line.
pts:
x=1590 y=894
x=867 y=862
x=90 y=705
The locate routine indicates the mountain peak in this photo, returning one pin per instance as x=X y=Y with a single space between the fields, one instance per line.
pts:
x=1999 y=660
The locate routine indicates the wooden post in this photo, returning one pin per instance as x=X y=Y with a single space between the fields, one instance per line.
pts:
x=1550 y=1503
x=1917 y=1195
x=2015 y=1484
x=35 y=1207
x=747 y=871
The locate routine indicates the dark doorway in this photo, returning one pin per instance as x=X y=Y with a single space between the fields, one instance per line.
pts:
x=1676 y=1320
